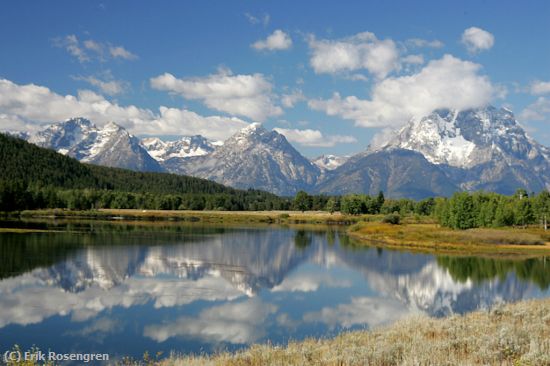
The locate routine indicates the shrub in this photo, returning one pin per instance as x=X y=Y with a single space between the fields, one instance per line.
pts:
x=393 y=218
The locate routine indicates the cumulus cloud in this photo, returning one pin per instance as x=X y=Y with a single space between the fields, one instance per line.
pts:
x=476 y=39
x=539 y=87
x=29 y=107
x=276 y=41
x=444 y=83
x=236 y=323
x=90 y=49
x=243 y=95
x=309 y=137
x=361 y=51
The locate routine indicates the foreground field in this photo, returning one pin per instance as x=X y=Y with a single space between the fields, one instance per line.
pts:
x=517 y=334
x=434 y=238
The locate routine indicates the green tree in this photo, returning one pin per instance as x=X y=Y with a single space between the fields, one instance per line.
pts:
x=302 y=201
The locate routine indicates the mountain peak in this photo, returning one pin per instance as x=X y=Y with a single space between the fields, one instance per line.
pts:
x=464 y=138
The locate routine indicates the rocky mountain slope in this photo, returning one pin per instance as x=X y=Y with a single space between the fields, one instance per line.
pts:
x=483 y=148
x=256 y=158
x=446 y=151
x=396 y=172
x=110 y=146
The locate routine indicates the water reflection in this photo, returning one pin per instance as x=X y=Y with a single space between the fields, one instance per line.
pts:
x=190 y=288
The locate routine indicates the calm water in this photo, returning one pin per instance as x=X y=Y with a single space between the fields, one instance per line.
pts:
x=123 y=289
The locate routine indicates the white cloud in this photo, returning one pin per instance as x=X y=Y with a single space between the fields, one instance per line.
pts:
x=29 y=107
x=109 y=86
x=360 y=311
x=537 y=111
x=361 y=51
x=243 y=95
x=290 y=100
x=413 y=59
x=71 y=44
x=423 y=43
x=121 y=52
x=276 y=41
x=21 y=293
x=445 y=83
x=236 y=323
x=309 y=282
x=539 y=87
x=91 y=49
x=476 y=39
x=316 y=138
x=257 y=20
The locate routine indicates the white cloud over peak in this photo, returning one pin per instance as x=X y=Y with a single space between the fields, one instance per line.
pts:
x=29 y=107
x=476 y=39
x=361 y=51
x=243 y=95
x=314 y=138
x=444 y=83
x=276 y=41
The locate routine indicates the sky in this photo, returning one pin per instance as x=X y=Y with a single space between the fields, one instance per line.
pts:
x=330 y=76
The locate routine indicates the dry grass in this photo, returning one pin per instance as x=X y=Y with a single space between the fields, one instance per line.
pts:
x=517 y=334
x=432 y=237
x=314 y=217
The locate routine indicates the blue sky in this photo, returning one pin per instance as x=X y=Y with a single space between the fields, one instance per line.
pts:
x=327 y=75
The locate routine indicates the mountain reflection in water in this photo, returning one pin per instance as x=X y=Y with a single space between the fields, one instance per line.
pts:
x=127 y=289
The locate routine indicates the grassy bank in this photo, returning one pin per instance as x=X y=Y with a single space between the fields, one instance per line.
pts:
x=313 y=217
x=517 y=334
x=432 y=237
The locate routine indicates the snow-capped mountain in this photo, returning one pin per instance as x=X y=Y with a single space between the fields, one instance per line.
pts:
x=468 y=138
x=484 y=148
x=111 y=145
x=186 y=147
x=329 y=162
x=256 y=158
x=63 y=136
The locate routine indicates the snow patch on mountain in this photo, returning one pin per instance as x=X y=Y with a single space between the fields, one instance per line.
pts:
x=465 y=139
x=185 y=147
x=329 y=162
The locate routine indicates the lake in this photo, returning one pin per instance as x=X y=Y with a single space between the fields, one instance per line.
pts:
x=123 y=288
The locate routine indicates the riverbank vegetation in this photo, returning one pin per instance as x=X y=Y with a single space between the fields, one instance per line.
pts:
x=515 y=334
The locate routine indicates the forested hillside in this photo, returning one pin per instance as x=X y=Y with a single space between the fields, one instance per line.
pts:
x=33 y=177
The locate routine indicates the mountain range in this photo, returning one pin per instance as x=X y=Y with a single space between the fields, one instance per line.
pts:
x=436 y=155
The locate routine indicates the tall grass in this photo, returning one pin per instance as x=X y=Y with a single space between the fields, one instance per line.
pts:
x=517 y=334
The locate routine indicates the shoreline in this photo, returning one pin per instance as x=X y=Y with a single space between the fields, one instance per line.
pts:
x=432 y=238
x=512 y=334
x=419 y=235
